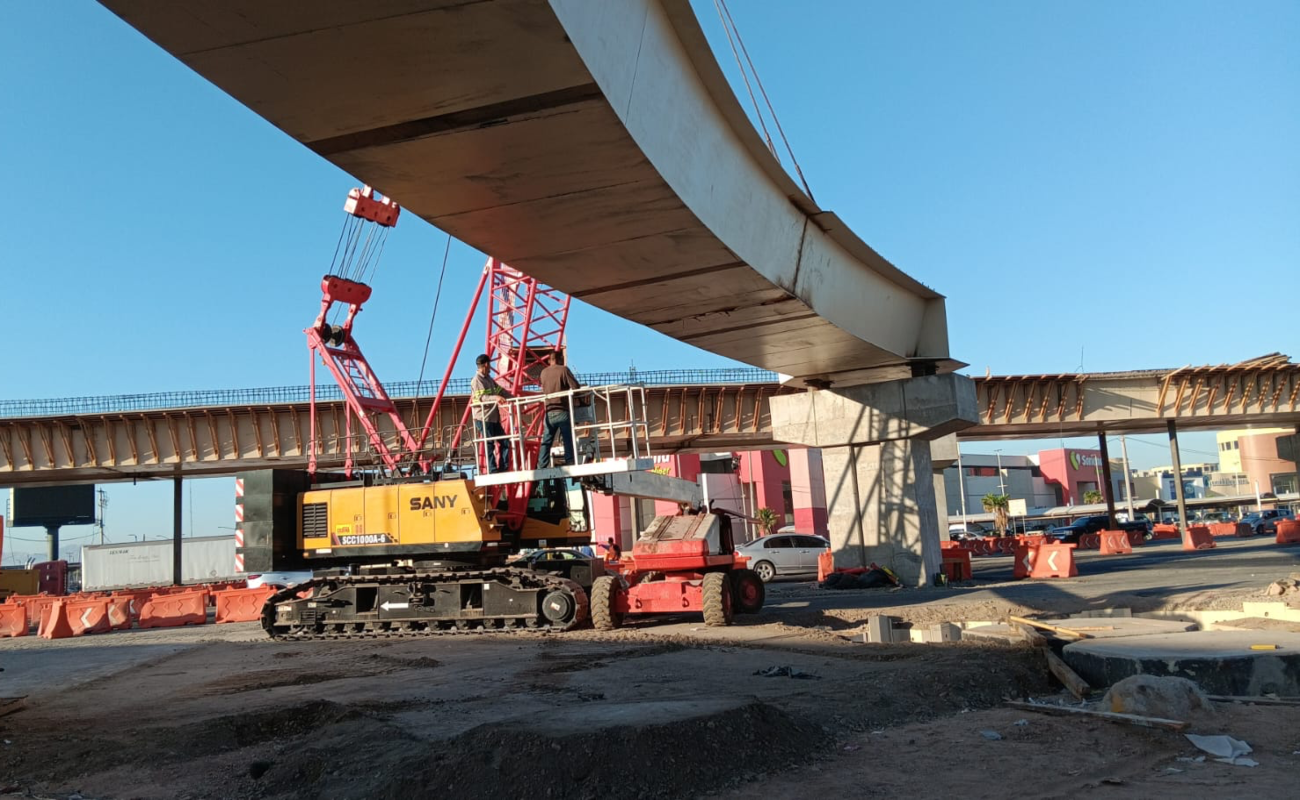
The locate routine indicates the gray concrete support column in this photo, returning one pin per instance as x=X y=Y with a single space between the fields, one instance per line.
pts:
x=880 y=471
x=1107 y=490
x=882 y=509
x=1178 y=480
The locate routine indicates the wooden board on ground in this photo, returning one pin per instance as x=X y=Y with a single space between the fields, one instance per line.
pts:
x=1068 y=677
x=1109 y=716
x=1049 y=627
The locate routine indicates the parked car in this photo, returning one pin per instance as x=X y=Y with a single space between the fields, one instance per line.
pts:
x=784 y=554
x=1094 y=524
x=538 y=559
x=280 y=580
x=1265 y=522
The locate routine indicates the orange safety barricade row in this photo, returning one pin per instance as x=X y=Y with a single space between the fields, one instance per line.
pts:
x=119 y=613
x=13 y=621
x=36 y=606
x=1136 y=538
x=174 y=610
x=245 y=605
x=1115 y=543
x=1288 y=531
x=1223 y=529
x=1198 y=538
x=1244 y=530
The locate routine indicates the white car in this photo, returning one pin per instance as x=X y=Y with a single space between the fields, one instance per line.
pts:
x=280 y=580
x=784 y=554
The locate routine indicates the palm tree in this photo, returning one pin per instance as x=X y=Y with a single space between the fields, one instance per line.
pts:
x=997 y=504
x=766 y=520
x=1093 y=496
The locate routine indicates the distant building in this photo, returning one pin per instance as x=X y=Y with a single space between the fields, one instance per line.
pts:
x=1253 y=453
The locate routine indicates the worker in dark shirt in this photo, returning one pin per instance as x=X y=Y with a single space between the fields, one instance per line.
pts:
x=557 y=378
x=485 y=393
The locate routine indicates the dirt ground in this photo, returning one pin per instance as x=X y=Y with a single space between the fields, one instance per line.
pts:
x=665 y=708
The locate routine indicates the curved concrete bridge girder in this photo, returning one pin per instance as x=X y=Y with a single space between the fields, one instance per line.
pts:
x=595 y=145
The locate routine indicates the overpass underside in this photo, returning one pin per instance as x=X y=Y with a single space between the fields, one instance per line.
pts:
x=593 y=145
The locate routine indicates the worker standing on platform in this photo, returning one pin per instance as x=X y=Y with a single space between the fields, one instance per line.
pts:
x=486 y=394
x=557 y=378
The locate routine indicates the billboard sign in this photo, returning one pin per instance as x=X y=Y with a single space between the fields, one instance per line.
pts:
x=52 y=505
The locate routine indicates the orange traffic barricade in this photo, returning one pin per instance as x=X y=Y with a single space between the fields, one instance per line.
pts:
x=1115 y=543
x=245 y=605
x=174 y=610
x=825 y=564
x=119 y=612
x=956 y=562
x=1023 y=560
x=1198 y=538
x=13 y=620
x=1090 y=541
x=88 y=615
x=1054 y=561
x=1165 y=531
x=54 y=622
x=1288 y=531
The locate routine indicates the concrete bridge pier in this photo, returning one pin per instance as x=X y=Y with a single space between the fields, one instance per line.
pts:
x=879 y=446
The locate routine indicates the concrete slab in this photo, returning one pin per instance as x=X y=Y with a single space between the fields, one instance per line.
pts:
x=1222 y=662
x=1095 y=627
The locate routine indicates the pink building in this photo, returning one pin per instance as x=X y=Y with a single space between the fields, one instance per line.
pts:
x=787 y=481
x=1071 y=473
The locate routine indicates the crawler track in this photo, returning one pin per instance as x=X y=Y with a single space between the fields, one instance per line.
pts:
x=469 y=601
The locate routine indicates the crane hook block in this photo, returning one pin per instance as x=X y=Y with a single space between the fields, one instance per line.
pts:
x=369 y=205
x=342 y=290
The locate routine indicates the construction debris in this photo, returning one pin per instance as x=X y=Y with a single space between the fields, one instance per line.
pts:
x=1124 y=719
x=1157 y=696
x=1063 y=631
x=1225 y=749
x=786 y=672
x=1068 y=677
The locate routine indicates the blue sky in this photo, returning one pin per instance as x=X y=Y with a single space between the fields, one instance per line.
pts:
x=1109 y=185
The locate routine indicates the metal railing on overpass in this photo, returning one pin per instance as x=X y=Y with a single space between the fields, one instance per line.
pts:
x=271 y=395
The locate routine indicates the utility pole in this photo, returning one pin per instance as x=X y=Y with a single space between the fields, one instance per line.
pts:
x=1128 y=484
x=1002 y=484
x=103 y=504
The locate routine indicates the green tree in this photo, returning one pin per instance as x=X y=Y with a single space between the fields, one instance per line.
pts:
x=997 y=505
x=1093 y=496
x=766 y=520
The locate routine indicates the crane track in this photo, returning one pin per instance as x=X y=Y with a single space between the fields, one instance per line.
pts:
x=407 y=628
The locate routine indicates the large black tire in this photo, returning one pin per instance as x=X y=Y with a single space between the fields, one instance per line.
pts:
x=748 y=591
x=603 y=593
x=765 y=570
x=718 y=608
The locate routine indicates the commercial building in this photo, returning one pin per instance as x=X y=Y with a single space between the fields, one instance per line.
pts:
x=1253 y=453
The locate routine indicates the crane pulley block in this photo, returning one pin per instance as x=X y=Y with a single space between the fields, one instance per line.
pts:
x=341 y=290
x=369 y=205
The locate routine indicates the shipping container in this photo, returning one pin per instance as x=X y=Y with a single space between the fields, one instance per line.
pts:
x=120 y=566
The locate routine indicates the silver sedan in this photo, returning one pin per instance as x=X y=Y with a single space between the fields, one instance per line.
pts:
x=784 y=554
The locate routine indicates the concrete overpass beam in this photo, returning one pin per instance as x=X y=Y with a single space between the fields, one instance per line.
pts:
x=878 y=443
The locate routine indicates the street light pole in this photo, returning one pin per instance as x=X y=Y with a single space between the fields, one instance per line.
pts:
x=1002 y=484
x=961 y=484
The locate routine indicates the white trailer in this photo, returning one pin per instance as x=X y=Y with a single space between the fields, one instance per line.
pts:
x=122 y=566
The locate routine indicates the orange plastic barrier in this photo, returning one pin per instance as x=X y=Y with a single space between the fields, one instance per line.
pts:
x=54 y=622
x=825 y=566
x=245 y=605
x=1244 y=530
x=956 y=563
x=1090 y=541
x=1054 y=561
x=1224 y=529
x=13 y=620
x=88 y=616
x=174 y=610
x=36 y=606
x=1115 y=543
x=119 y=613
x=1288 y=532
x=1023 y=560
x=1136 y=538
x=136 y=599
x=1164 y=531
x=1198 y=538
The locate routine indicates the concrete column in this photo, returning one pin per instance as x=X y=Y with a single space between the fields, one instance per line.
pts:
x=882 y=508
x=52 y=542
x=1178 y=481
x=879 y=473
x=1107 y=490
x=808 y=488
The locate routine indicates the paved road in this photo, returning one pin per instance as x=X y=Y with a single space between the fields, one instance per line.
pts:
x=1158 y=571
